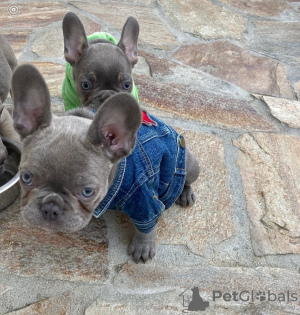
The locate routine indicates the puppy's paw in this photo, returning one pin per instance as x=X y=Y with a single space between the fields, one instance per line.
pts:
x=103 y=95
x=187 y=197
x=96 y=100
x=142 y=246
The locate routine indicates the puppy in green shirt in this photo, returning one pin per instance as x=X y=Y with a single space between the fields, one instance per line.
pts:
x=98 y=66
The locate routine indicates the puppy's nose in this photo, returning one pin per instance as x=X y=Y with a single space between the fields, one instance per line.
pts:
x=51 y=211
x=52 y=206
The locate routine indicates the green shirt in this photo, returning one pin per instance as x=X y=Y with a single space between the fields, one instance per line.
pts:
x=69 y=94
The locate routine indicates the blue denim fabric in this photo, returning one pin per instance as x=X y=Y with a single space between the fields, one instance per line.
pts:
x=150 y=179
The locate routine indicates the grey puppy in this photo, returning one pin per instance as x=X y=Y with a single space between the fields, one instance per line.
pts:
x=100 y=67
x=69 y=163
x=8 y=62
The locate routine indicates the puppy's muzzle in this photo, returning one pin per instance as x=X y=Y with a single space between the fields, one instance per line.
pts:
x=52 y=207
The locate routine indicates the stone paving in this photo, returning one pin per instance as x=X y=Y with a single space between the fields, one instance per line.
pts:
x=226 y=73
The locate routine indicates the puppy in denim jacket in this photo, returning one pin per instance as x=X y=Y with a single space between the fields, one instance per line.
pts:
x=120 y=158
x=98 y=67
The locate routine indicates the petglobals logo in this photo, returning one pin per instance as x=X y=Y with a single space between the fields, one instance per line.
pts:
x=192 y=301
x=255 y=296
x=195 y=300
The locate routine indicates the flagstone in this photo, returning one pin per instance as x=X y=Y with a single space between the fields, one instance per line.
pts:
x=54 y=74
x=276 y=39
x=287 y=111
x=174 y=302
x=208 y=108
x=50 y=306
x=51 y=43
x=203 y=18
x=18 y=39
x=270 y=170
x=31 y=15
x=282 y=80
x=153 y=31
x=30 y=251
x=210 y=220
x=139 y=2
x=165 y=70
x=141 y=67
x=149 y=304
x=200 y=63
x=4 y=289
x=265 y=8
x=57 y=106
x=233 y=64
x=158 y=65
x=297 y=89
x=255 y=283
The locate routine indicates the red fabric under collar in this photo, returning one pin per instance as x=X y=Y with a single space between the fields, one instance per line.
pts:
x=147 y=120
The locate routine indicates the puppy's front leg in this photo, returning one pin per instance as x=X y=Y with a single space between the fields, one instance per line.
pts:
x=187 y=197
x=143 y=246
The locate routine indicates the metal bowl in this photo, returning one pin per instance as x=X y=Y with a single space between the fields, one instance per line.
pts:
x=9 y=180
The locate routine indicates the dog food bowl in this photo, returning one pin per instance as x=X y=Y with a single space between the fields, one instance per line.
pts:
x=9 y=180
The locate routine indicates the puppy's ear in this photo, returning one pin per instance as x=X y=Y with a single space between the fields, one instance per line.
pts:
x=115 y=126
x=75 y=39
x=129 y=39
x=31 y=100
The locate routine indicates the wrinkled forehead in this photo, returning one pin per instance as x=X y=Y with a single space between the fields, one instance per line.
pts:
x=104 y=58
x=60 y=153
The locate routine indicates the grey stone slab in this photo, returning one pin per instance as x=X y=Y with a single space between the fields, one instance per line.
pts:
x=4 y=289
x=203 y=18
x=31 y=15
x=30 y=251
x=287 y=111
x=18 y=39
x=175 y=302
x=51 y=306
x=50 y=44
x=54 y=75
x=231 y=63
x=279 y=40
x=153 y=31
x=210 y=220
x=255 y=287
x=266 y=8
x=270 y=172
x=205 y=107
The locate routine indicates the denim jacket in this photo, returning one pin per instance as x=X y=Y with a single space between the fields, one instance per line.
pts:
x=151 y=178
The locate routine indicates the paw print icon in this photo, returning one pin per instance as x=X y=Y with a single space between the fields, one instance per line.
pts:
x=261 y=296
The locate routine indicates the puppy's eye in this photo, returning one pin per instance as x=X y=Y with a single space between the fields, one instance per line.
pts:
x=26 y=179
x=127 y=86
x=86 y=85
x=87 y=193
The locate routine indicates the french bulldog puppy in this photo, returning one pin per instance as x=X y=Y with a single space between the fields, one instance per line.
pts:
x=100 y=67
x=75 y=167
x=8 y=62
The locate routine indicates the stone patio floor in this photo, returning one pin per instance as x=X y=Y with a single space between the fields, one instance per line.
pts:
x=226 y=73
